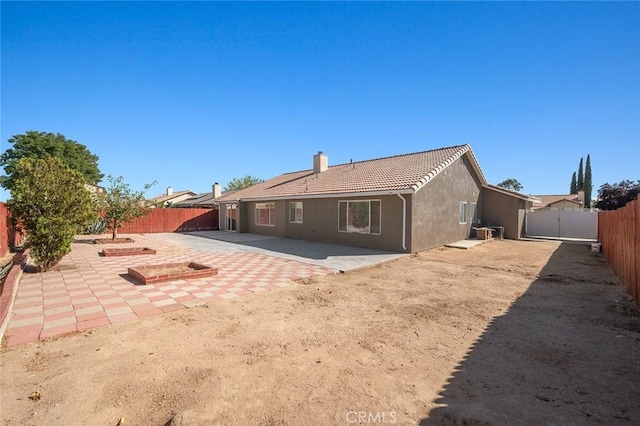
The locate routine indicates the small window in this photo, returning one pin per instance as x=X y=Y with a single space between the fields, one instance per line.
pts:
x=295 y=212
x=362 y=217
x=266 y=214
x=474 y=213
x=463 y=212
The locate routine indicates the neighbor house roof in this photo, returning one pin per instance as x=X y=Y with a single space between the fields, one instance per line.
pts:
x=167 y=198
x=205 y=199
x=548 y=200
x=398 y=174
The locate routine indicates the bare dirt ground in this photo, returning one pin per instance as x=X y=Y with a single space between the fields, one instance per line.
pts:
x=505 y=333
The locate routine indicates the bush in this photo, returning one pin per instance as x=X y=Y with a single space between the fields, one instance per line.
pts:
x=50 y=202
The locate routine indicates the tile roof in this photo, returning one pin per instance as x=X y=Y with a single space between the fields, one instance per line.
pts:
x=205 y=198
x=164 y=197
x=547 y=200
x=401 y=173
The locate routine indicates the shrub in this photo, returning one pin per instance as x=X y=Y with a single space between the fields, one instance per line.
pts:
x=50 y=202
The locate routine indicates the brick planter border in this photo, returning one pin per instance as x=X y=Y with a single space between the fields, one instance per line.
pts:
x=143 y=274
x=112 y=241
x=129 y=251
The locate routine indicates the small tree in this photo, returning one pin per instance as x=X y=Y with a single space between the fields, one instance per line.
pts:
x=49 y=200
x=242 y=183
x=122 y=205
x=612 y=197
x=512 y=184
x=573 y=189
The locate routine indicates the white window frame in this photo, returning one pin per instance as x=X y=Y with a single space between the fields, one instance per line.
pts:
x=462 y=213
x=354 y=230
x=271 y=207
x=293 y=217
x=474 y=213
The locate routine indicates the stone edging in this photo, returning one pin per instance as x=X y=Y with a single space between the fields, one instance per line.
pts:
x=10 y=289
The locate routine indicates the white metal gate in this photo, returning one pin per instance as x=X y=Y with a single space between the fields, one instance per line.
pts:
x=560 y=223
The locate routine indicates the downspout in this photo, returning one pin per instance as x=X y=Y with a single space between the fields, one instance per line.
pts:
x=404 y=221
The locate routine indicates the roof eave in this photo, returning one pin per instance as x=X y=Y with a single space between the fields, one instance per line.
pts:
x=466 y=150
x=515 y=194
x=407 y=191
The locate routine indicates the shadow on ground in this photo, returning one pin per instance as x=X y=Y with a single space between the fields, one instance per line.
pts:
x=290 y=246
x=566 y=352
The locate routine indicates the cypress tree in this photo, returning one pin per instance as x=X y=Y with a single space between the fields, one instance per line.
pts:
x=588 y=186
x=573 y=189
x=580 y=176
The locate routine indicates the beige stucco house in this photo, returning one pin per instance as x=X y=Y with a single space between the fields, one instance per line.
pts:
x=404 y=203
x=563 y=201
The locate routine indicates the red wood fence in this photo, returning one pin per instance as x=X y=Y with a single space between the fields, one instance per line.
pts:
x=173 y=220
x=8 y=236
x=619 y=233
x=4 y=229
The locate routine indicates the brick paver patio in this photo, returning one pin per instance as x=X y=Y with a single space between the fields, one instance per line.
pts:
x=90 y=291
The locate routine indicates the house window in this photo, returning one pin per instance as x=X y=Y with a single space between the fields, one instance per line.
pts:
x=474 y=213
x=361 y=217
x=266 y=214
x=463 y=212
x=295 y=212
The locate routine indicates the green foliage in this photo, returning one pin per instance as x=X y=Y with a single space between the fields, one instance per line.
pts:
x=242 y=183
x=573 y=189
x=96 y=227
x=580 y=176
x=588 y=185
x=120 y=204
x=40 y=145
x=511 y=184
x=612 y=197
x=50 y=201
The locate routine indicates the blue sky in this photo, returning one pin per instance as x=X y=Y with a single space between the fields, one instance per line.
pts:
x=191 y=93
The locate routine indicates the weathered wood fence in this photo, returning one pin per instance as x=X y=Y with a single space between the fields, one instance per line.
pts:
x=619 y=233
x=173 y=220
x=8 y=236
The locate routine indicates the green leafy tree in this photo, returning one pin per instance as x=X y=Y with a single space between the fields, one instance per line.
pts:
x=612 y=197
x=49 y=200
x=120 y=204
x=573 y=189
x=40 y=145
x=588 y=185
x=580 y=176
x=511 y=184
x=242 y=183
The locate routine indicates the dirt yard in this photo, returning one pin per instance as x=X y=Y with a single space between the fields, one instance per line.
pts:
x=505 y=333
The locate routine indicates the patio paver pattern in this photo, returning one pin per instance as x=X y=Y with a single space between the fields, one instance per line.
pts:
x=90 y=290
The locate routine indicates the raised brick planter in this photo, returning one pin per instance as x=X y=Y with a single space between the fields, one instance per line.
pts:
x=150 y=274
x=129 y=251
x=112 y=241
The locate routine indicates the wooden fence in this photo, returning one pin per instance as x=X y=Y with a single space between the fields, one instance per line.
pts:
x=619 y=233
x=173 y=220
x=8 y=236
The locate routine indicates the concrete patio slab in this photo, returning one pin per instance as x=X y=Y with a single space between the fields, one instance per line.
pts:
x=333 y=256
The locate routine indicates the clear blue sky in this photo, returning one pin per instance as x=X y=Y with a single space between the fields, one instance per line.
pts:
x=188 y=94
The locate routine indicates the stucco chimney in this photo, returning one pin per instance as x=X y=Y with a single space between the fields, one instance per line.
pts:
x=169 y=190
x=320 y=162
x=216 y=190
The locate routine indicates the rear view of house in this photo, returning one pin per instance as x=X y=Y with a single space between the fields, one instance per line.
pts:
x=404 y=203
